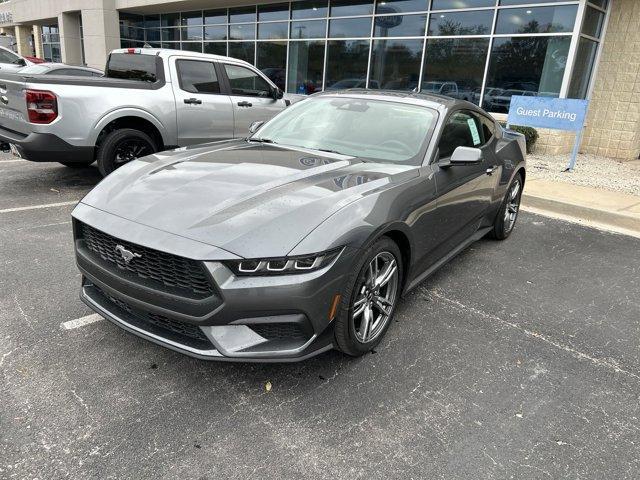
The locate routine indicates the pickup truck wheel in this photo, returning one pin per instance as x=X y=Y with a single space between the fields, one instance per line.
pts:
x=75 y=164
x=122 y=146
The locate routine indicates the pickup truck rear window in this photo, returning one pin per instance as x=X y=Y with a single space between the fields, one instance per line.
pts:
x=131 y=66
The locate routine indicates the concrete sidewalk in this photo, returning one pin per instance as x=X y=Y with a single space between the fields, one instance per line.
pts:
x=603 y=209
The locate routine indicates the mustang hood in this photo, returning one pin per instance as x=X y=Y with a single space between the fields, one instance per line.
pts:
x=251 y=199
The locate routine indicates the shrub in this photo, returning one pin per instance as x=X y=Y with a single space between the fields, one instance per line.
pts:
x=530 y=135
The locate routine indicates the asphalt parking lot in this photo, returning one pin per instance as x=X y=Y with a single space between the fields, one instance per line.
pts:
x=519 y=359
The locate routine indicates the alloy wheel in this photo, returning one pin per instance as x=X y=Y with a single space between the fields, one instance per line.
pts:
x=512 y=207
x=376 y=297
x=130 y=149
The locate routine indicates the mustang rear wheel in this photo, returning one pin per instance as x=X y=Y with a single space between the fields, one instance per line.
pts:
x=369 y=304
x=508 y=213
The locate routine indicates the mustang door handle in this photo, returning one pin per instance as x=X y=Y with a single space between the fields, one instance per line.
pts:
x=490 y=170
x=192 y=101
x=245 y=104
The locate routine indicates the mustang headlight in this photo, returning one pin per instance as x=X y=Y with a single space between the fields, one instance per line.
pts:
x=283 y=265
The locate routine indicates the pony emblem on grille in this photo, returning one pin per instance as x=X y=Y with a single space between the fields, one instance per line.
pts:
x=127 y=255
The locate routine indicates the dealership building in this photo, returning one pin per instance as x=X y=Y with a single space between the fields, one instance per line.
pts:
x=483 y=51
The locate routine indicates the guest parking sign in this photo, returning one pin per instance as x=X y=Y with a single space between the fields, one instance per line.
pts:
x=553 y=113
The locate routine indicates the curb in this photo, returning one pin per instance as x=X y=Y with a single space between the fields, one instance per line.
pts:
x=576 y=213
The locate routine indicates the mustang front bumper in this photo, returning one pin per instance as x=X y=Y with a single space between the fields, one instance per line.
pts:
x=263 y=318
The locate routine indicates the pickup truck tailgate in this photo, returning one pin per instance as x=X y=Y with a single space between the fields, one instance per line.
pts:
x=13 y=107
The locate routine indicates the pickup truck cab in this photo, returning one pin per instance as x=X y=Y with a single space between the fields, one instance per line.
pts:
x=149 y=100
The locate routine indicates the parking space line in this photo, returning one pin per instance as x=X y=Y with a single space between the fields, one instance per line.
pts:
x=37 y=207
x=14 y=160
x=81 y=322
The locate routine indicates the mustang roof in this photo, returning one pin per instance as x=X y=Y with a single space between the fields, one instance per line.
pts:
x=424 y=99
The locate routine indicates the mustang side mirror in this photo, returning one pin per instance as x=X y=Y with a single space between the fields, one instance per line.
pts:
x=253 y=128
x=462 y=156
x=466 y=155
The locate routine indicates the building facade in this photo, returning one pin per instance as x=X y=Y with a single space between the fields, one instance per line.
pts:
x=483 y=51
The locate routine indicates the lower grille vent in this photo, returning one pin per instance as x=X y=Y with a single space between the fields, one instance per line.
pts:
x=181 y=332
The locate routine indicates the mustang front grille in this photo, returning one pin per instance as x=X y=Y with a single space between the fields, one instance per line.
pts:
x=165 y=271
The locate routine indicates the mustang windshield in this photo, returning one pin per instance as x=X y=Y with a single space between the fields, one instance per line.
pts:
x=382 y=131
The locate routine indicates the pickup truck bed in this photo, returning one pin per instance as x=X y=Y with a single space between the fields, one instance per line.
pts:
x=47 y=144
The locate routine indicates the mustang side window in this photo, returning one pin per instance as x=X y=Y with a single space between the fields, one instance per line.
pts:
x=246 y=82
x=461 y=130
x=488 y=128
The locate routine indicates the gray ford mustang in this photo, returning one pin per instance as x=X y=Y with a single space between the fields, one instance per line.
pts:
x=302 y=237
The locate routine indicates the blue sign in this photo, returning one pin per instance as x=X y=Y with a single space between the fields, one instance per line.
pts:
x=548 y=112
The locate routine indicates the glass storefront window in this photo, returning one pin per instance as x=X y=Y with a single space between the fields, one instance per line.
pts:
x=524 y=66
x=191 y=33
x=582 y=68
x=400 y=26
x=151 y=21
x=242 y=14
x=455 y=67
x=215 y=32
x=290 y=40
x=243 y=51
x=216 y=48
x=191 y=18
x=272 y=61
x=279 y=11
x=152 y=35
x=395 y=64
x=306 y=62
x=461 y=23
x=170 y=20
x=309 y=9
x=273 y=30
x=347 y=64
x=346 y=8
x=537 y=20
x=399 y=6
x=310 y=29
x=520 y=2
x=599 y=3
x=592 y=23
x=242 y=31
x=453 y=4
x=215 y=17
x=191 y=46
x=170 y=34
x=350 y=27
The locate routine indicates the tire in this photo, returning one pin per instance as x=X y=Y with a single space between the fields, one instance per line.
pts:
x=122 y=146
x=75 y=164
x=349 y=328
x=502 y=226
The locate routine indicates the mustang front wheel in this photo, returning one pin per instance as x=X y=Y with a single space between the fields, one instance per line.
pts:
x=370 y=302
x=508 y=213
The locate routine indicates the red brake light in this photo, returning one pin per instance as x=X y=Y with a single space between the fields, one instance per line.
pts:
x=42 y=106
x=131 y=50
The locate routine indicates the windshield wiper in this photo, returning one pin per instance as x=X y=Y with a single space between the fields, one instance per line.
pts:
x=328 y=151
x=261 y=140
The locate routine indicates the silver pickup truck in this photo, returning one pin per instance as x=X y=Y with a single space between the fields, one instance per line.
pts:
x=149 y=100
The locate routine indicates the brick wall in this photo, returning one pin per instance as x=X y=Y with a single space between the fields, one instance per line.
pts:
x=613 y=122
